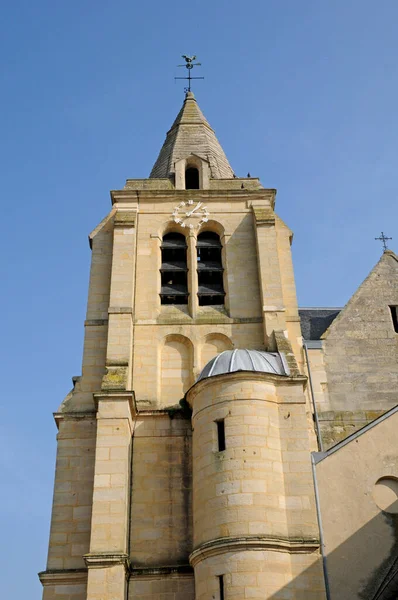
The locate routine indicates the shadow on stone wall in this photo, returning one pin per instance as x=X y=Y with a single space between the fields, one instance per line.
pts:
x=364 y=567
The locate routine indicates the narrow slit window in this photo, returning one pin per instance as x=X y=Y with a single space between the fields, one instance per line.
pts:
x=210 y=269
x=192 y=179
x=221 y=586
x=394 y=316
x=174 y=270
x=221 y=435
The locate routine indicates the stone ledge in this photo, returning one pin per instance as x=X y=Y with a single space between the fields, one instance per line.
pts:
x=274 y=309
x=116 y=310
x=117 y=396
x=264 y=216
x=134 y=195
x=258 y=376
x=73 y=416
x=98 y=560
x=238 y=544
x=125 y=219
x=115 y=377
x=117 y=362
x=156 y=571
x=63 y=576
x=95 y=322
x=201 y=320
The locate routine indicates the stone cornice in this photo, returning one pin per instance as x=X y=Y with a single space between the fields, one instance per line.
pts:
x=125 y=218
x=229 y=195
x=97 y=560
x=243 y=543
x=120 y=310
x=95 y=322
x=246 y=375
x=63 y=576
x=116 y=396
x=156 y=571
x=73 y=416
x=264 y=216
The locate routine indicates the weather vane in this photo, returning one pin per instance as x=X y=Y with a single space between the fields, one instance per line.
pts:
x=189 y=64
x=383 y=239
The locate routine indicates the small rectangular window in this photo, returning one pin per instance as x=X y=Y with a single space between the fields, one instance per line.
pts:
x=221 y=435
x=221 y=586
x=394 y=316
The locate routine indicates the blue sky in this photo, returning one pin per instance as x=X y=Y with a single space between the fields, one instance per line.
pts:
x=302 y=94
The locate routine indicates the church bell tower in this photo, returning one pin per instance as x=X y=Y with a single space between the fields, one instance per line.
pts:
x=183 y=465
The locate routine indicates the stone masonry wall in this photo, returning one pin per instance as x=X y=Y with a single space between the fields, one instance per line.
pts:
x=361 y=355
x=171 y=587
x=161 y=503
x=73 y=490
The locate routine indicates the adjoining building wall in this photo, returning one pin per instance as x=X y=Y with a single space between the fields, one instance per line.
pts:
x=361 y=355
x=361 y=539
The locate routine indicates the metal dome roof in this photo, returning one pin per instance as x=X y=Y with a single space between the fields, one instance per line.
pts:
x=230 y=361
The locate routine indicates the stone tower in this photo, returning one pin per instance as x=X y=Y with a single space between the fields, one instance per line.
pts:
x=183 y=466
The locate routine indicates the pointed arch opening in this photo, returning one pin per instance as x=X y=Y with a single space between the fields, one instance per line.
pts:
x=210 y=269
x=192 y=180
x=174 y=269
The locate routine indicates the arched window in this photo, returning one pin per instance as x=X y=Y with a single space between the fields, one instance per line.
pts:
x=210 y=270
x=174 y=269
x=191 y=178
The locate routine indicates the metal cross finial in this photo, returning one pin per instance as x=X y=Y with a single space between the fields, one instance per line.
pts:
x=189 y=64
x=383 y=239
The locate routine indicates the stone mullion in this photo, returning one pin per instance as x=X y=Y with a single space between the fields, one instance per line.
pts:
x=192 y=263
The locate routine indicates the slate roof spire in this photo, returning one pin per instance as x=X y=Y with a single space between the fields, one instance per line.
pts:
x=191 y=134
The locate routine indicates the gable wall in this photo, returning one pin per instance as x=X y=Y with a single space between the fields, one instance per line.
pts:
x=360 y=356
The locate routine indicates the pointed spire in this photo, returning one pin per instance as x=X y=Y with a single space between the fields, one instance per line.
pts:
x=191 y=134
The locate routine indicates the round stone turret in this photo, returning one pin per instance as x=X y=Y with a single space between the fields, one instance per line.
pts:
x=254 y=518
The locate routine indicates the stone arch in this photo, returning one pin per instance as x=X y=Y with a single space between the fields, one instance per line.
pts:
x=170 y=227
x=214 y=226
x=214 y=344
x=192 y=161
x=176 y=368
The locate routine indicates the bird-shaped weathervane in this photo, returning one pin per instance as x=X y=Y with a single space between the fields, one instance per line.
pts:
x=189 y=64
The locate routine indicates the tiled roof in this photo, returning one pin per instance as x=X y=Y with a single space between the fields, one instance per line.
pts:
x=315 y=321
x=191 y=134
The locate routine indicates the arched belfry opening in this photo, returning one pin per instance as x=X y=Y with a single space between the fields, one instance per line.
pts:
x=174 y=270
x=210 y=269
x=191 y=178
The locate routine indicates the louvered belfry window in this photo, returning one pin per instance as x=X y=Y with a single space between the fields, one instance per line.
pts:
x=174 y=270
x=210 y=270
